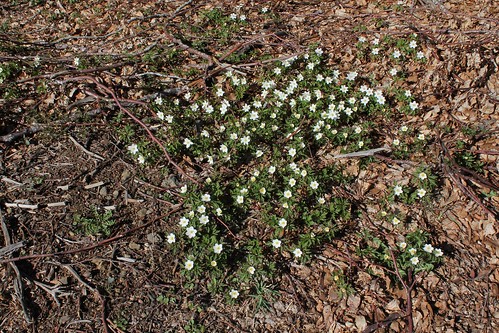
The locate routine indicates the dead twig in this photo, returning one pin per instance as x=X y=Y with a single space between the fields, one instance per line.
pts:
x=18 y=282
x=452 y=170
x=8 y=249
x=86 y=151
x=93 y=246
x=8 y=138
x=408 y=286
x=137 y=120
x=74 y=72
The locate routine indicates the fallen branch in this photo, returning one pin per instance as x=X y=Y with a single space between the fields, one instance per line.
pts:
x=93 y=246
x=35 y=206
x=18 y=282
x=8 y=138
x=86 y=151
x=363 y=153
x=137 y=120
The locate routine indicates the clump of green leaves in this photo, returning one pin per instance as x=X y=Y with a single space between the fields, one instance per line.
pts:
x=413 y=253
x=266 y=196
x=96 y=224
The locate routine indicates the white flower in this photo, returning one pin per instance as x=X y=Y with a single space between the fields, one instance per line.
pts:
x=292 y=182
x=351 y=76
x=362 y=39
x=292 y=152
x=421 y=137
x=413 y=44
x=396 y=142
x=413 y=105
x=234 y=293
x=402 y=245
x=283 y=223
x=397 y=190
x=314 y=185
x=251 y=270
x=414 y=261
x=428 y=248
x=183 y=189
x=319 y=51
x=421 y=192
x=217 y=248
x=203 y=219
x=184 y=222
x=344 y=89
x=133 y=149
x=219 y=92
x=297 y=253
x=438 y=253
x=213 y=263
x=141 y=159
x=245 y=140
x=206 y=197
x=321 y=200
x=287 y=194
x=161 y=115
x=375 y=51
x=393 y=71
x=285 y=205
x=170 y=238
x=422 y=176
x=189 y=264
x=303 y=173
x=375 y=41
x=412 y=251
x=36 y=61
x=224 y=149
x=233 y=136
x=188 y=143
x=396 y=54
x=277 y=71
x=360 y=144
x=233 y=16
x=76 y=61
x=242 y=17
x=218 y=211
x=420 y=55
x=395 y=220
x=191 y=232
x=240 y=199
x=271 y=169
x=254 y=115
x=201 y=209
x=276 y=243
x=404 y=128
x=262 y=190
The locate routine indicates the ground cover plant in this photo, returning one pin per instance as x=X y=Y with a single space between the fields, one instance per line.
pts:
x=230 y=167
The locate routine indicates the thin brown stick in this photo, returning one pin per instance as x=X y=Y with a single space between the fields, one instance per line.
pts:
x=95 y=245
x=408 y=289
x=137 y=120
x=18 y=282
x=77 y=72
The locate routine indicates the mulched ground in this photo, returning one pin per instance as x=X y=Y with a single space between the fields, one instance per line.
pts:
x=119 y=282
